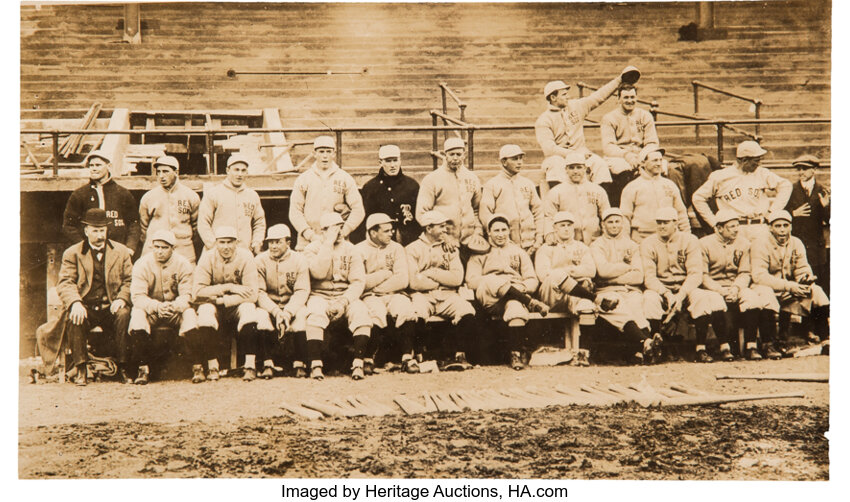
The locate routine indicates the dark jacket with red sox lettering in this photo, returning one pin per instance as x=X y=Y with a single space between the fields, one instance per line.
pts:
x=120 y=206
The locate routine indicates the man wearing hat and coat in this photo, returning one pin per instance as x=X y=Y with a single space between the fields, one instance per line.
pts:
x=779 y=262
x=233 y=204
x=742 y=188
x=102 y=192
x=161 y=290
x=224 y=286
x=514 y=196
x=171 y=206
x=809 y=205
x=284 y=285
x=324 y=187
x=643 y=197
x=384 y=292
x=503 y=281
x=337 y=279
x=393 y=193
x=454 y=191
x=560 y=129
x=94 y=285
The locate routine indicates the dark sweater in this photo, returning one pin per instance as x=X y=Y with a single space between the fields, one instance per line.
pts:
x=121 y=209
x=394 y=196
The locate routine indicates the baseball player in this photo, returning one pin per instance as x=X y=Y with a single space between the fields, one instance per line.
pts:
x=324 y=187
x=393 y=193
x=170 y=206
x=779 y=262
x=161 y=289
x=102 y=192
x=742 y=188
x=585 y=200
x=337 y=278
x=284 y=285
x=224 y=286
x=232 y=204
x=726 y=270
x=619 y=276
x=386 y=279
x=560 y=129
x=503 y=281
x=809 y=205
x=643 y=197
x=435 y=275
x=673 y=267
x=94 y=285
x=513 y=195
x=625 y=131
x=455 y=191
x=565 y=268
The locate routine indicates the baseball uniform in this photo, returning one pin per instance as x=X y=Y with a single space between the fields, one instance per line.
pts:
x=515 y=197
x=619 y=275
x=585 y=200
x=336 y=274
x=387 y=296
x=283 y=286
x=778 y=266
x=457 y=195
x=226 y=205
x=176 y=210
x=623 y=133
x=643 y=197
x=490 y=275
x=436 y=297
x=555 y=264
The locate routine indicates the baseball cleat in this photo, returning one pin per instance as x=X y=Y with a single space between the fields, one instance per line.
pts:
x=268 y=373
x=143 y=377
x=459 y=363
x=726 y=355
x=770 y=352
x=198 y=374
x=608 y=304
x=212 y=374
x=125 y=378
x=249 y=374
x=357 y=373
x=300 y=372
x=516 y=361
x=752 y=355
x=82 y=376
x=368 y=366
x=410 y=366
x=703 y=357
x=539 y=307
x=316 y=373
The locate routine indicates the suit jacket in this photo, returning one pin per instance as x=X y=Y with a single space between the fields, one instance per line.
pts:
x=810 y=229
x=77 y=268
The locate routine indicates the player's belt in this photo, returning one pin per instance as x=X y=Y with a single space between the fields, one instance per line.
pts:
x=751 y=221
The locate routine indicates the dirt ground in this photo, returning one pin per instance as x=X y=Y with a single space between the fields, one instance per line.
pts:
x=235 y=429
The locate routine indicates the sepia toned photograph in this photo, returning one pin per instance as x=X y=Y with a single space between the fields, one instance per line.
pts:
x=425 y=241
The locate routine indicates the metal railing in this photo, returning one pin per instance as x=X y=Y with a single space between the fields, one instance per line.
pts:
x=757 y=103
x=470 y=129
x=655 y=110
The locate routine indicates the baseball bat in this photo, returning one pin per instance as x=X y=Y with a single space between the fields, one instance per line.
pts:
x=362 y=407
x=385 y=409
x=301 y=411
x=429 y=403
x=408 y=406
x=707 y=400
x=331 y=411
x=791 y=377
x=347 y=409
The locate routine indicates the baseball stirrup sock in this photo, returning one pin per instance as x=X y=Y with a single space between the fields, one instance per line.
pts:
x=701 y=328
x=515 y=337
x=141 y=346
x=751 y=325
x=360 y=344
x=721 y=327
x=634 y=335
x=515 y=294
x=406 y=333
x=314 y=350
x=248 y=338
x=820 y=321
x=767 y=325
x=300 y=346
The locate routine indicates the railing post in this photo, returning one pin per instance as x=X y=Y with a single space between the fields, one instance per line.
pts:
x=211 y=167
x=758 y=104
x=696 y=107
x=445 y=110
x=470 y=147
x=55 y=136
x=434 y=145
x=653 y=110
x=339 y=148
x=719 y=126
x=462 y=112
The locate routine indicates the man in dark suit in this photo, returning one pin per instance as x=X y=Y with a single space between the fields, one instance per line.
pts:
x=809 y=205
x=94 y=285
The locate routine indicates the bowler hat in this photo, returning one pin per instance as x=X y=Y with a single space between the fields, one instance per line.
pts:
x=95 y=217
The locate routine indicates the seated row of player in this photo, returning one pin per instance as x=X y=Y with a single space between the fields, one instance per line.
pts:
x=282 y=291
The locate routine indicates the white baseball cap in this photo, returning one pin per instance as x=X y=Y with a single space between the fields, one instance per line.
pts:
x=452 y=143
x=433 y=218
x=324 y=142
x=574 y=158
x=377 y=219
x=279 y=231
x=388 y=151
x=563 y=216
x=645 y=151
x=237 y=158
x=166 y=236
x=100 y=154
x=779 y=215
x=750 y=149
x=497 y=217
x=330 y=219
x=666 y=214
x=225 y=232
x=725 y=215
x=167 y=160
x=508 y=151
x=611 y=211
x=553 y=86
